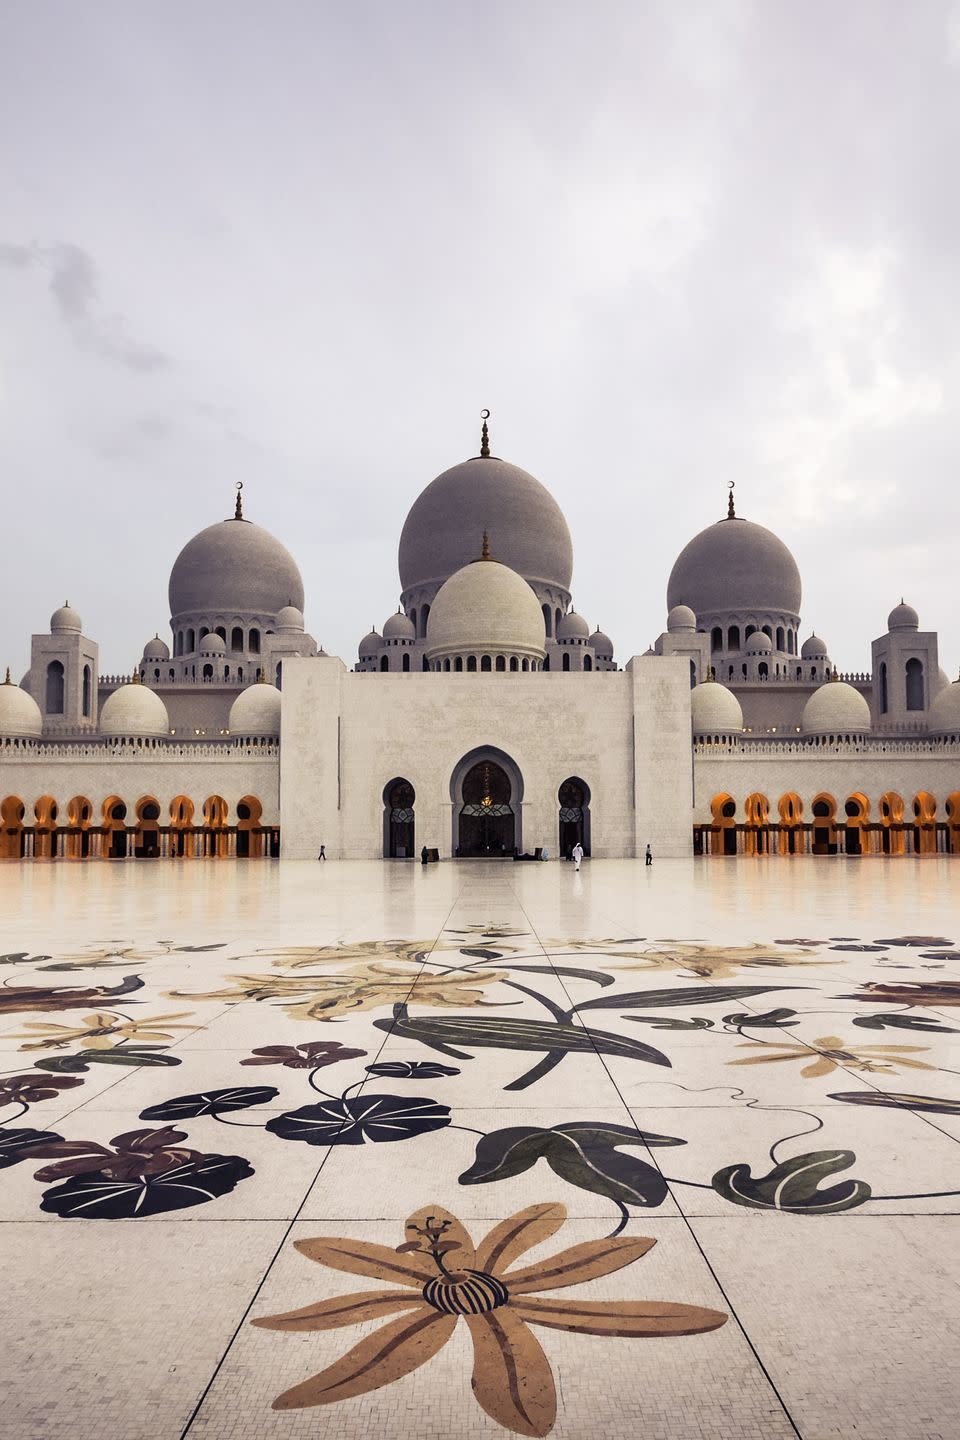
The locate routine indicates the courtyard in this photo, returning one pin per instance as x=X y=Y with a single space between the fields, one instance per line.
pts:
x=480 y=1148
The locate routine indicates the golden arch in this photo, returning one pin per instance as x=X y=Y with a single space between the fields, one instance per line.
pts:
x=857 y=811
x=79 y=819
x=824 y=824
x=215 y=825
x=952 y=807
x=181 y=824
x=924 y=823
x=45 y=812
x=147 y=839
x=249 y=820
x=757 y=835
x=723 y=812
x=790 y=808
x=12 y=811
x=115 y=822
x=891 y=820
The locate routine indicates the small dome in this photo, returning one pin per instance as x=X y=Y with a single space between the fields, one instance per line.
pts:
x=944 y=712
x=735 y=565
x=156 y=649
x=836 y=708
x=134 y=710
x=20 y=716
x=65 y=621
x=256 y=711
x=290 y=618
x=758 y=644
x=212 y=644
x=370 y=645
x=903 y=617
x=681 y=617
x=715 y=710
x=602 y=645
x=399 y=627
x=486 y=606
x=813 y=648
x=573 y=627
x=234 y=567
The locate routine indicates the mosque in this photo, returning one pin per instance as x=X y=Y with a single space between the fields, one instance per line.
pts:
x=484 y=718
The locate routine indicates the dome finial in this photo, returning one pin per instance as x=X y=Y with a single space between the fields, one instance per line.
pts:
x=238 y=510
x=485 y=552
x=731 y=513
x=8 y=681
x=135 y=677
x=484 y=436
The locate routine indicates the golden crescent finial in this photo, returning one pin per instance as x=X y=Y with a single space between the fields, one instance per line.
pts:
x=484 y=436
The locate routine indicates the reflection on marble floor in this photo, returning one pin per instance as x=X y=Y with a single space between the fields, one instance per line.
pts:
x=569 y=1111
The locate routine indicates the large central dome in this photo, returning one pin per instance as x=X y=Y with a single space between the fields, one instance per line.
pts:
x=528 y=532
x=234 y=568
x=735 y=566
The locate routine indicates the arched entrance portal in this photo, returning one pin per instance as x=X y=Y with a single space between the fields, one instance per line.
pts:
x=486 y=824
x=574 y=797
x=723 y=812
x=399 y=835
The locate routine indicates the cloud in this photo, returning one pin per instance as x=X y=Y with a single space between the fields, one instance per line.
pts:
x=73 y=285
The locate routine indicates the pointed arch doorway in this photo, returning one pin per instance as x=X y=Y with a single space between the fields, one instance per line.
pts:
x=487 y=789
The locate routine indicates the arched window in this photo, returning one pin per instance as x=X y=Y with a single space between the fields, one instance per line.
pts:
x=501 y=662
x=88 y=689
x=546 y=664
x=413 y=621
x=426 y=663
x=750 y=630
x=458 y=663
x=716 y=638
x=733 y=637
x=547 y=619
x=485 y=663
x=768 y=631
x=236 y=638
x=526 y=664
x=914 y=675
x=204 y=631
x=883 y=687
x=405 y=665
x=566 y=660
x=471 y=662
x=384 y=665
x=557 y=617
x=763 y=670
x=208 y=672
x=587 y=663
x=191 y=641
x=221 y=630
x=399 y=799
x=424 y=617
x=514 y=663
x=55 y=687
x=253 y=642
x=446 y=663
x=780 y=637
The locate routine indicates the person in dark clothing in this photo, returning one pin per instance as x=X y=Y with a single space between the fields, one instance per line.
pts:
x=323 y=853
x=424 y=856
x=649 y=856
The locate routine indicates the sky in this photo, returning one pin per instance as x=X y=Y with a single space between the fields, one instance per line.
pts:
x=303 y=244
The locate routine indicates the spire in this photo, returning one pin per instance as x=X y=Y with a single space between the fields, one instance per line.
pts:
x=135 y=677
x=485 y=552
x=8 y=681
x=485 y=436
x=731 y=513
x=238 y=510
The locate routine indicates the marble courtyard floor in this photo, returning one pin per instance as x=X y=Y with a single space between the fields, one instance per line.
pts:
x=480 y=1149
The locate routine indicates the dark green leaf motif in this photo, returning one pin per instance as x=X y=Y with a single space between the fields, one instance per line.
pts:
x=895 y=1100
x=585 y=1155
x=210 y=1102
x=599 y=976
x=365 y=1118
x=792 y=1186
x=102 y=1197
x=410 y=1070
x=671 y=1022
x=17 y=1145
x=681 y=996
x=899 y=1021
x=121 y=1055
x=758 y=1022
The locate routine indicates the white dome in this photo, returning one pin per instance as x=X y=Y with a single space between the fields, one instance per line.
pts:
x=573 y=627
x=65 y=621
x=290 y=618
x=156 y=649
x=602 y=645
x=758 y=644
x=19 y=713
x=836 y=708
x=527 y=528
x=399 y=627
x=903 y=617
x=370 y=645
x=234 y=568
x=134 y=710
x=256 y=711
x=813 y=648
x=681 y=617
x=944 y=712
x=715 y=710
x=212 y=644
x=486 y=606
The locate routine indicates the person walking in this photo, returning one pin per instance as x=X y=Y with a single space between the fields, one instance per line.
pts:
x=649 y=856
x=577 y=855
x=323 y=853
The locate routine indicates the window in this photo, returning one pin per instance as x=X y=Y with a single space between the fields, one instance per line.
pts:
x=426 y=663
x=413 y=621
x=471 y=662
x=55 y=687
x=501 y=663
x=526 y=664
x=733 y=637
x=383 y=663
x=587 y=663
x=88 y=687
x=406 y=662
x=514 y=663
x=221 y=630
x=716 y=638
x=547 y=617
x=566 y=660
x=236 y=638
x=780 y=637
x=485 y=663
x=191 y=642
x=914 y=677
x=446 y=663
x=424 y=617
x=208 y=672
x=253 y=642
x=204 y=631
x=458 y=663
x=883 y=687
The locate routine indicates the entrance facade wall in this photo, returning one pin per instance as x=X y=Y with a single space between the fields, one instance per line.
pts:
x=625 y=733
